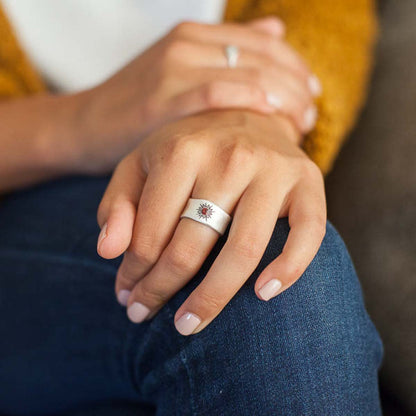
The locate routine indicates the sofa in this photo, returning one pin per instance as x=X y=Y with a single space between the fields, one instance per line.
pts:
x=372 y=202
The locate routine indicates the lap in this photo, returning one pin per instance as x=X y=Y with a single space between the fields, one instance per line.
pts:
x=65 y=328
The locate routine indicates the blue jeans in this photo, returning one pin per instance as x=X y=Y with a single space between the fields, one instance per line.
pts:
x=67 y=347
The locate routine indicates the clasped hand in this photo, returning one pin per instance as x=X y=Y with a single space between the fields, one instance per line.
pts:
x=246 y=163
x=231 y=144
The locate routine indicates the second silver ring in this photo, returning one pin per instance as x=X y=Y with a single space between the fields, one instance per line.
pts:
x=232 y=54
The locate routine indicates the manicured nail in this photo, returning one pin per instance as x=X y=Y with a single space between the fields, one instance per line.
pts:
x=311 y=114
x=103 y=234
x=123 y=296
x=274 y=100
x=137 y=312
x=187 y=323
x=315 y=85
x=270 y=289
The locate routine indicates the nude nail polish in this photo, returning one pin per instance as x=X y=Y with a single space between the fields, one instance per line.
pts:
x=274 y=100
x=187 y=323
x=123 y=296
x=310 y=116
x=270 y=289
x=314 y=85
x=137 y=312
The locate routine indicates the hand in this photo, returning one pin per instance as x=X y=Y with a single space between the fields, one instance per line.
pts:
x=246 y=163
x=186 y=73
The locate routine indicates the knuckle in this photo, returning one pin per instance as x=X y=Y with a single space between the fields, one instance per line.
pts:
x=208 y=302
x=182 y=258
x=183 y=28
x=246 y=246
x=177 y=50
x=277 y=21
x=236 y=155
x=182 y=149
x=275 y=159
x=125 y=276
x=144 y=252
x=152 y=295
x=316 y=223
x=311 y=170
x=213 y=94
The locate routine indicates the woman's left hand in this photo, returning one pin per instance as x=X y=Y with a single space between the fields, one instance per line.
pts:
x=248 y=164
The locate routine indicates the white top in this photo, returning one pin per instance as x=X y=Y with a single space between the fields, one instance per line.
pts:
x=76 y=44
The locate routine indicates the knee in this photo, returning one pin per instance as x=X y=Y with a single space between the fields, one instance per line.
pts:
x=317 y=331
x=324 y=307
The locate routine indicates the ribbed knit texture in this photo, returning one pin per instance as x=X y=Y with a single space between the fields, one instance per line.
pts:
x=335 y=37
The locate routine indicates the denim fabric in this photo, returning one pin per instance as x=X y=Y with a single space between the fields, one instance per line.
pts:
x=67 y=347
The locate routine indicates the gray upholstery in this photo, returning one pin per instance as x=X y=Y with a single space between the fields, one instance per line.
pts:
x=372 y=200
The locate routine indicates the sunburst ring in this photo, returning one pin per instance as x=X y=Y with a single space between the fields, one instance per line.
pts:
x=208 y=213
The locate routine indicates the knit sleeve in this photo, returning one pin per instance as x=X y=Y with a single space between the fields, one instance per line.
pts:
x=336 y=38
x=17 y=78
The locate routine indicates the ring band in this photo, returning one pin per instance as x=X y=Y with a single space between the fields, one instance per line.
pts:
x=206 y=212
x=232 y=53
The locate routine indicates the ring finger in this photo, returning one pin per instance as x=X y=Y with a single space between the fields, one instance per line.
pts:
x=185 y=253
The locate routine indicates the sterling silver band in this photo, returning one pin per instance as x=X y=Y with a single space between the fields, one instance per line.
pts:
x=232 y=53
x=206 y=212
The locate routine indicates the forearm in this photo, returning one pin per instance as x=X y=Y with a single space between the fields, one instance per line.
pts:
x=35 y=139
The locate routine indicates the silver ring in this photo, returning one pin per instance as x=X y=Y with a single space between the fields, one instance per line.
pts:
x=232 y=53
x=206 y=212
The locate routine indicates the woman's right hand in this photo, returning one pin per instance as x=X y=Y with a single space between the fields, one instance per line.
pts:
x=185 y=73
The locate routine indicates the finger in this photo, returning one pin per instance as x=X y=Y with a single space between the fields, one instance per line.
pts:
x=188 y=248
x=247 y=39
x=266 y=91
x=178 y=264
x=307 y=219
x=163 y=198
x=270 y=24
x=250 y=231
x=220 y=94
x=212 y=57
x=117 y=210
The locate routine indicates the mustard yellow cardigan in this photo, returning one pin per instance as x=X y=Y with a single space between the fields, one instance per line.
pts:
x=335 y=37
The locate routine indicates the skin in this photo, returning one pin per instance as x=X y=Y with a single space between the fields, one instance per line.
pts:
x=182 y=74
x=201 y=157
x=178 y=118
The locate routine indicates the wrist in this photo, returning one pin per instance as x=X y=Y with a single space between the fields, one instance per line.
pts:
x=71 y=137
x=54 y=138
x=270 y=124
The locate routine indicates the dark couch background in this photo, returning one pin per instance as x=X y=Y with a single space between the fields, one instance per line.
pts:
x=372 y=202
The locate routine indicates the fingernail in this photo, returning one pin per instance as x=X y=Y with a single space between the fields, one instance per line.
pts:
x=137 y=312
x=315 y=85
x=103 y=234
x=123 y=297
x=310 y=117
x=274 y=100
x=187 y=323
x=270 y=289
